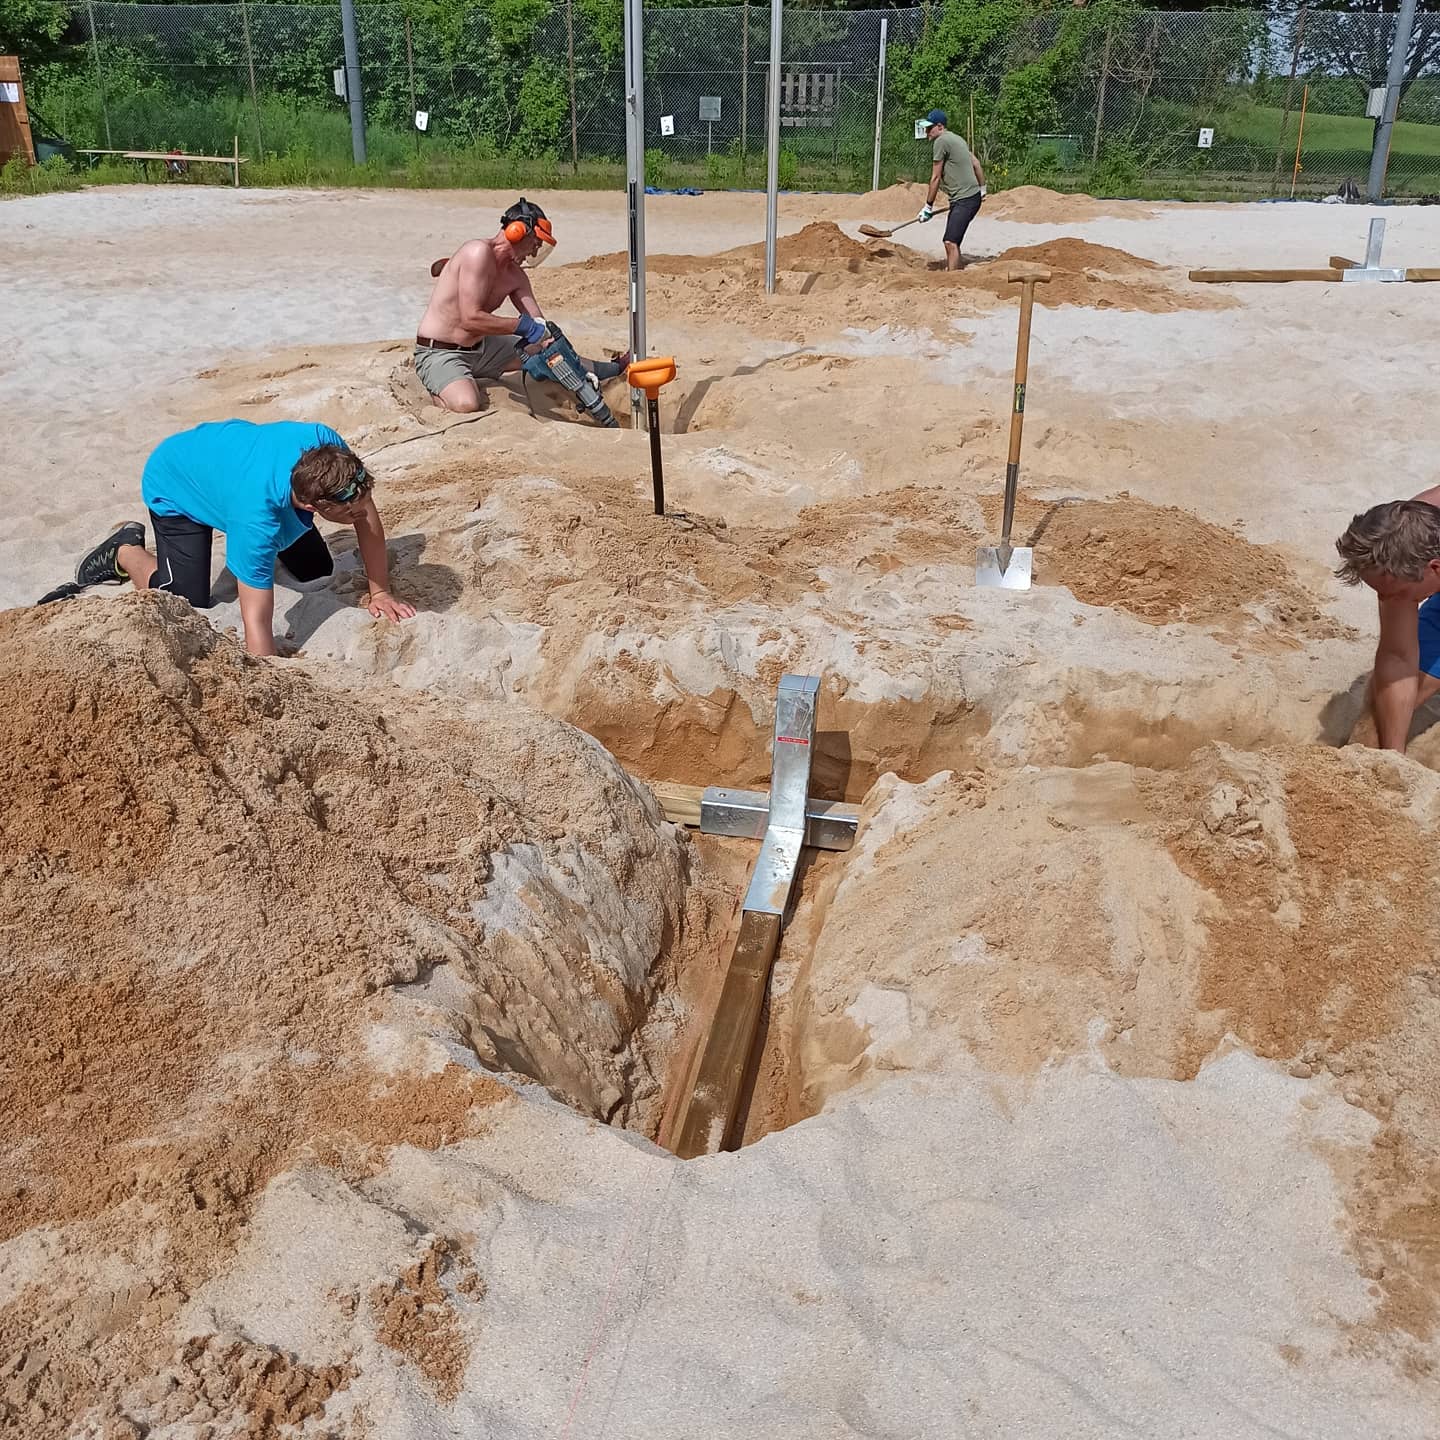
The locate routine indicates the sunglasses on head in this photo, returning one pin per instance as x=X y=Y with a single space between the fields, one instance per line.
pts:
x=357 y=487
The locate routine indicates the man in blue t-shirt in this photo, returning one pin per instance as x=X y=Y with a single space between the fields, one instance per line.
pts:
x=261 y=486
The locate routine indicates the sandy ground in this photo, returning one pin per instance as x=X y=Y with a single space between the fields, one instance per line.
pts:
x=1111 y=1047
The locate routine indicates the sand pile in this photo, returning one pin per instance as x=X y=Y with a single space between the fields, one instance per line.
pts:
x=1036 y=205
x=1023 y=204
x=871 y=283
x=1164 y=564
x=254 y=921
x=1286 y=899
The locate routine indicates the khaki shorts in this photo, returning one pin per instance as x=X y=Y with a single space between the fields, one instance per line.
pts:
x=487 y=361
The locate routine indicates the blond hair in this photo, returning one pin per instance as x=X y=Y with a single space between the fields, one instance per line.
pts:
x=1399 y=538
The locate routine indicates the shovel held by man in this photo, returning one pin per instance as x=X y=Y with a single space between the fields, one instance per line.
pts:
x=1006 y=566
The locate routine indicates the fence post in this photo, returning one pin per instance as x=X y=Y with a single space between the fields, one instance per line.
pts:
x=410 y=70
x=744 y=85
x=879 y=101
x=99 y=74
x=352 y=81
x=1289 y=95
x=635 y=185
x=772 y=157
x=570 y=63
x=254 y=98
x=1394 y=78
x=1100 y=99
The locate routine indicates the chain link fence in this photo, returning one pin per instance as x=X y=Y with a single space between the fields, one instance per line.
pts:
x=1142 y=103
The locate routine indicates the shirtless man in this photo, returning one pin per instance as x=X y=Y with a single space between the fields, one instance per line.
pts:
x=1395 y=549
x=462 y=341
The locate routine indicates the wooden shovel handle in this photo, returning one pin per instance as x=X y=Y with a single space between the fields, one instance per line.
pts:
x=1027 y=280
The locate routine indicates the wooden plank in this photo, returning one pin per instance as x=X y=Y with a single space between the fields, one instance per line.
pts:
x=681 y=803
x=1261 y=277
x=704 y=1119
x=171 y=155
x=15 y=134
x=1339 y=262
x=1423 y=274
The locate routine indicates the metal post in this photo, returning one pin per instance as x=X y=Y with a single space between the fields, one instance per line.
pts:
x=99 y=74
x=879 y=101
x=1399 y=54
x=1289 y=92
x=772 y=147
x=1099 y=102
x=744 y=85
x=254 y=98
x=352 y=81
x=635 y=185
x=410 y=67
x=570 y=66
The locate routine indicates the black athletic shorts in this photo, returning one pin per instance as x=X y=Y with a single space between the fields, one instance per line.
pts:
x=962 y=212
x=182 y=548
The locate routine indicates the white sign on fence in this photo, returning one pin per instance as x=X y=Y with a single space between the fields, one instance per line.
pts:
x=667 y=124
x=340 y=83
x=1206 y=140
x=922 y=129
x=422 y=119
x=10 y=93
x=709 y=107
x=1375 y=105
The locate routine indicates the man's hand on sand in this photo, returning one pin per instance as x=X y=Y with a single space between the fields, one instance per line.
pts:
x=384 y=606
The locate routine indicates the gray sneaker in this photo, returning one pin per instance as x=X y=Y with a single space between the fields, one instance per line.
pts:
x=101 y=565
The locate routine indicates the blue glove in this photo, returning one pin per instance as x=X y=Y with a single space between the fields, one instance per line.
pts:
x=529 y=329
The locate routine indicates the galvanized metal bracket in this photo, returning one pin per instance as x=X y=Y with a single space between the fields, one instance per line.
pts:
x=1372 y=272
x=796 y=702
x=829 y=824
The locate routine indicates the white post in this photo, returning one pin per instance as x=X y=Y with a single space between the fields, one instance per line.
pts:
x=879 y=100
x=635 y=186
x=772 y=147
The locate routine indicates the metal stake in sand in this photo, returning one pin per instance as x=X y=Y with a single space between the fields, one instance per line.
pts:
x=1005 y=566
x=772 y=147
x=705 y=1117
x=635 y=184
x=649 y=376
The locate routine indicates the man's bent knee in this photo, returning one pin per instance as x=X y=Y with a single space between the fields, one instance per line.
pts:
x=461 y=397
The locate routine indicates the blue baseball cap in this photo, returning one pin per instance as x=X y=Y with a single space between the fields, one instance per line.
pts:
x=935 y=117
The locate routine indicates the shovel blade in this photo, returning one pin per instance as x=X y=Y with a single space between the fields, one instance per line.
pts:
x=992 y=574
x=875 y=232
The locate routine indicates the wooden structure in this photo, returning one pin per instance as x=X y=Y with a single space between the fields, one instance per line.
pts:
x=1337 y=270
x=235 y=161
x=15 y=136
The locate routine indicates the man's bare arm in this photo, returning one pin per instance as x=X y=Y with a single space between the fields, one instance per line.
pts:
x=257 y=612
x=478 y=273
x=936 y=170
x=522 y=297
x=1396 y=681
x=1430 y=496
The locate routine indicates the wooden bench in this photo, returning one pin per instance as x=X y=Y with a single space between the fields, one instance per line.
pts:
x=235 y=161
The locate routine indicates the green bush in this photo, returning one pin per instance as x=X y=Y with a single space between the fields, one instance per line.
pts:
x=20 y=177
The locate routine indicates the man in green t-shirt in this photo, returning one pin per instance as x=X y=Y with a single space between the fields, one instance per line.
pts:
x=959 y=172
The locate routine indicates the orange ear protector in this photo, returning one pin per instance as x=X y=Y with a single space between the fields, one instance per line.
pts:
x=518 y=228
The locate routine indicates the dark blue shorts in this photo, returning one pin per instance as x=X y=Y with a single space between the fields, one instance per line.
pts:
x=1430 y=636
